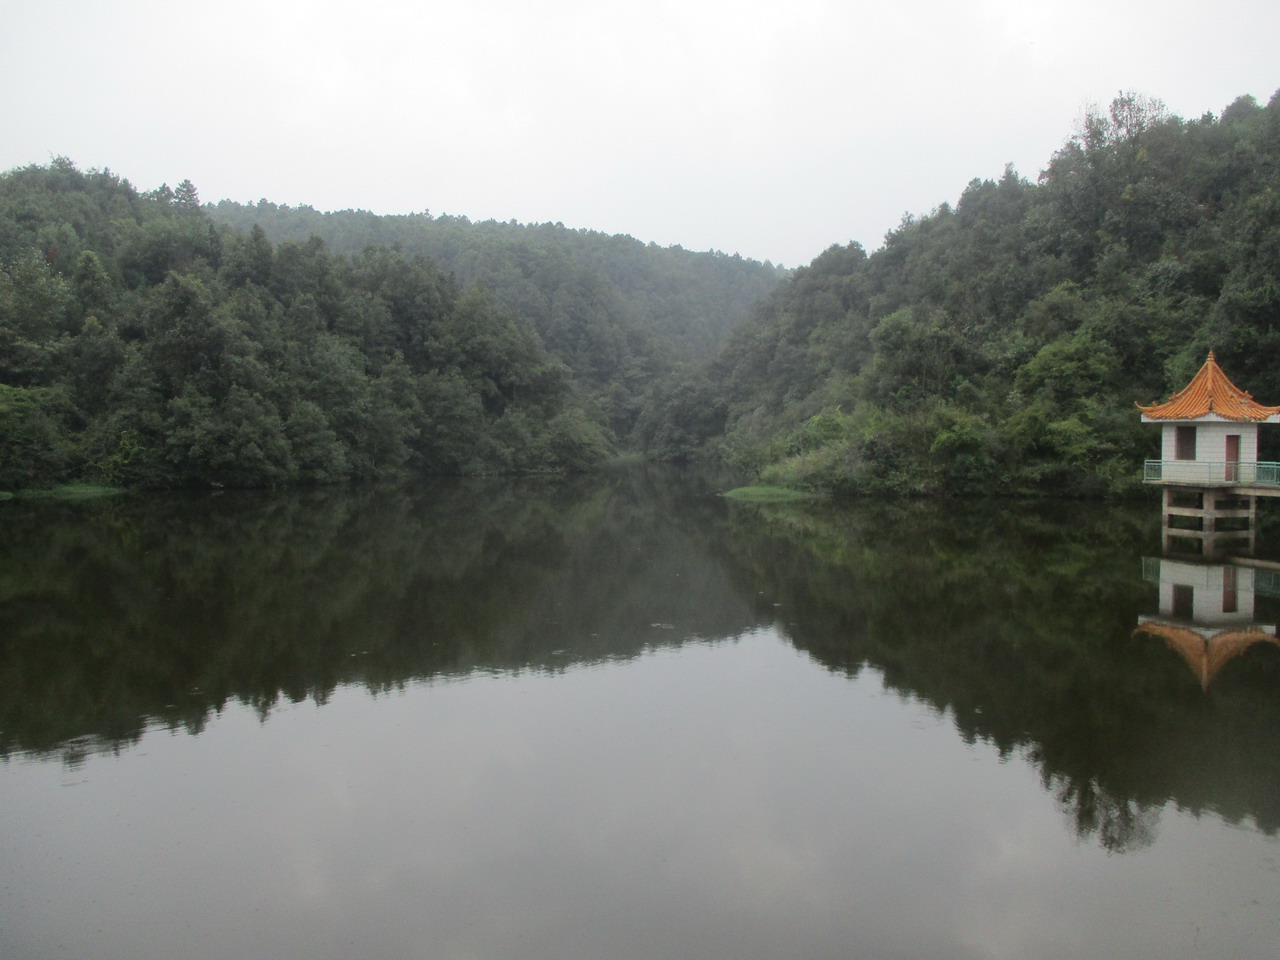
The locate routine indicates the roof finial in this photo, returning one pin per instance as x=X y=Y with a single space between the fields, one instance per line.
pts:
x=1211 y=354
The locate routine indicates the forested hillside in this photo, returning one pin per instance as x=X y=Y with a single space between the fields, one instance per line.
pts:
x=1000 y=344
x=995 y=345
x=619 y=313
x=142 y=343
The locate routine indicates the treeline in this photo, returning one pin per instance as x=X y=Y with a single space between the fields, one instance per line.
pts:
x=142 y=343
x=995 y=345
x=1000 y=344
x=621 y=314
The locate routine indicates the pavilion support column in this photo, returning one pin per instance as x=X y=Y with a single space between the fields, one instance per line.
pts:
x=1209 y=520
x=1212 y=501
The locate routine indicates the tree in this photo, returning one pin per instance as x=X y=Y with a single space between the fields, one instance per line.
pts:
x=186 y=196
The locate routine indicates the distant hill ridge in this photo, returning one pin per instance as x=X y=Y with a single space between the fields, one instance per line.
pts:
x=617 y=311
x=147 y=340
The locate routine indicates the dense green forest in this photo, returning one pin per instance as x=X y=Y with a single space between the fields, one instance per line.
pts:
x=1000 y=344
x=621 y=314
x=997 y=344
x=143 y=343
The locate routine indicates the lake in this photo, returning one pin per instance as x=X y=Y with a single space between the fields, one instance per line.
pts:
x=623 y=717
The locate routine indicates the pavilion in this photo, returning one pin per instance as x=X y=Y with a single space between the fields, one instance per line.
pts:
x=1209 y=465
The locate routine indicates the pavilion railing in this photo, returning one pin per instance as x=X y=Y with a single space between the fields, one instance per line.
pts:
x=1208 y=472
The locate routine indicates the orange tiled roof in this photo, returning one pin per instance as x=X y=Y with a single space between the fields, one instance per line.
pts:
x=1210 y=392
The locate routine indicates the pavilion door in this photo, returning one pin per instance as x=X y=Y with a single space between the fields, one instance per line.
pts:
x=1233 y=457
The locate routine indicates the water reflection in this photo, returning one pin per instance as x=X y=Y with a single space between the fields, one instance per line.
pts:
x=162 y=609
x=1207 y=611
x=1013 y=621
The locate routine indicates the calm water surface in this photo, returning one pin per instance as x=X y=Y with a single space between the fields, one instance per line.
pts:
x=624 y=718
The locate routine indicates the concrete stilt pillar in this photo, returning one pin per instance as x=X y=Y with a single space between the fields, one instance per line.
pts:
x=1209 y=520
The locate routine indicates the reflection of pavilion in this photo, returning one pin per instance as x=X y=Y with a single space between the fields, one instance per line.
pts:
x=1207 y=610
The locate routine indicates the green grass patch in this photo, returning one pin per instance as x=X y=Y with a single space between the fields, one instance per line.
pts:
x=768 y=494
x=68 y=491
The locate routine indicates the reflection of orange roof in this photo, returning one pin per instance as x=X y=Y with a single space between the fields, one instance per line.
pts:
x=1210 y=392
x=1205 y=657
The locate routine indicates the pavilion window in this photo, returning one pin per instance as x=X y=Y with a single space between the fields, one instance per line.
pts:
x=1185 y=443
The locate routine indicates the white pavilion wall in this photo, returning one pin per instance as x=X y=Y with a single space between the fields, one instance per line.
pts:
x=1211 y=448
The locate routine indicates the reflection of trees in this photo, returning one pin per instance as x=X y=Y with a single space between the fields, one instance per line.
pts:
x=1016 y=620
x=124 y=613
x=1120 y=824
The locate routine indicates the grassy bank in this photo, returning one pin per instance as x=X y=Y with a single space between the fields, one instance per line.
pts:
x=66 y=491
x=767 y=494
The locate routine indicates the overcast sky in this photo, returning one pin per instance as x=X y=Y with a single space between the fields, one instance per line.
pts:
x=768 y=129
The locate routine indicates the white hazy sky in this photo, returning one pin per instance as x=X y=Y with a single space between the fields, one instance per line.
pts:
x=768 y=129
